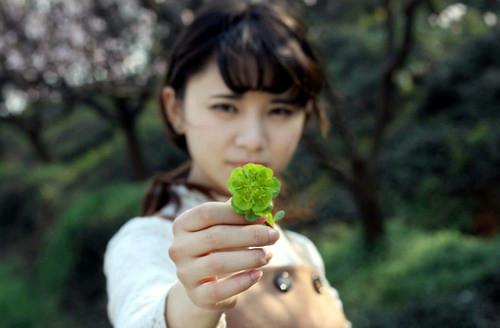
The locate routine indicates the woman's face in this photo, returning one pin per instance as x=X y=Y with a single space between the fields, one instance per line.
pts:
x=224 y=130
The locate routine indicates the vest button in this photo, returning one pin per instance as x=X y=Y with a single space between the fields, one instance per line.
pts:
x=283 y=281
x=317 y=283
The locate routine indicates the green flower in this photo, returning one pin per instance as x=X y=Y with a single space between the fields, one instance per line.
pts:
x=253 y=187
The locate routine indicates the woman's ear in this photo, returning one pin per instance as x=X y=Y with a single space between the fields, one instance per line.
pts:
x=173 y=109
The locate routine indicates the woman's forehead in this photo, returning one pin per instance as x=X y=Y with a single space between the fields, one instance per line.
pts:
x=209 y=82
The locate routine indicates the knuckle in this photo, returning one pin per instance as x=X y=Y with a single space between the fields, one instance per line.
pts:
x=173 y=253
x=195 y=298
x=177 y=225
x=181 y=273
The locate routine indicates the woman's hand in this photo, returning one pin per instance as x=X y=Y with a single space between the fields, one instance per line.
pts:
x=218 y=253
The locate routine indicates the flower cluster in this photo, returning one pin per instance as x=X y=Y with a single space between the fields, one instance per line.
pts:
x=253 y=187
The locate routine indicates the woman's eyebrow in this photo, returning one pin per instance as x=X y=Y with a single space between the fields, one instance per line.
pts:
x=286 y=101
x=236 y=96
x=227 y=96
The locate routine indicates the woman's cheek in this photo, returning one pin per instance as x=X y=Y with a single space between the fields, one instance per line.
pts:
x=285 y=147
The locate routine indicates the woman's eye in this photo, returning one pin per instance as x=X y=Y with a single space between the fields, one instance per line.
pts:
x=281 y=112
x=226 y=108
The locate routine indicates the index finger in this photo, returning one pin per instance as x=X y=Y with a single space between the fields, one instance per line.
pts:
x=209 y=214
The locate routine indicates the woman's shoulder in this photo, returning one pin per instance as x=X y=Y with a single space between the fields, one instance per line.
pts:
x=298 y=238
x=140 y=229
x=305 y=247
x=188 y=196
x=144 y=223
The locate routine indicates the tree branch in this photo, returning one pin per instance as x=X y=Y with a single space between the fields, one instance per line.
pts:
x=99 y=109
x=340 y=122
x=387 y=89
x=146 y=93
x=389 y=27
x=341 y=174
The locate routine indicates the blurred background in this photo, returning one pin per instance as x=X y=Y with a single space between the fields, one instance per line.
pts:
x=405 y=190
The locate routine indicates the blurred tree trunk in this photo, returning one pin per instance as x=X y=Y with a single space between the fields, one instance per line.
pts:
x=31 y=128
x=127 y=121
x=365 y=193
x=359 y=170
x=123 y=117
x=123 y=111
x=41 y=150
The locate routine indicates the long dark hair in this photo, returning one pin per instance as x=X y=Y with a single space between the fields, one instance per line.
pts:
x=257 y=46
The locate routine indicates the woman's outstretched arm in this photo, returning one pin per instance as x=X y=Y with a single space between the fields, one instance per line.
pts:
x=140 y=277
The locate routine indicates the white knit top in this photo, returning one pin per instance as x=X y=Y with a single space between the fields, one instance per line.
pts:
x=139 y=272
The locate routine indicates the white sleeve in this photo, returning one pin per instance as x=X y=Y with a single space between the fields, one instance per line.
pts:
x=139 y=274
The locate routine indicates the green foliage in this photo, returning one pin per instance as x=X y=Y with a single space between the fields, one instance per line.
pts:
x=433 y=207
x=17 y=198
x=106 y=163
x=354 y=59
x=467 y=82
x=159 y=153
x=22 y=306
x=411 y=269
x=79 y=132
x=13 y=147
x=70 y=259
x=104 y=210
x=439 y=167
x=253 y=187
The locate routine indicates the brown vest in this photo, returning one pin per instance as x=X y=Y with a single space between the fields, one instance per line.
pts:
x=292 y=296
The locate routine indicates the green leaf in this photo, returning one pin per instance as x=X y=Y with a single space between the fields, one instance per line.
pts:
x=253 y=187
x=252 y=217
x=276 y=186
x=241 y=202
x=279 y=215
x=270 y=219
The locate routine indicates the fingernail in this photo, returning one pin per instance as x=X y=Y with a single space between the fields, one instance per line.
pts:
x=273 y=234
x=268 y=254
x=256 y=275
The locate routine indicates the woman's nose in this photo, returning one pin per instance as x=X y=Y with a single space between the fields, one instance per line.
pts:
x=251 y=134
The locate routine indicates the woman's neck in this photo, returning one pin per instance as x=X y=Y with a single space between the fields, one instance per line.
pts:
x=194 y=179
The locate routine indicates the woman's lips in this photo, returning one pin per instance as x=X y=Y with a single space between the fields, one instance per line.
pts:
x=241 y=163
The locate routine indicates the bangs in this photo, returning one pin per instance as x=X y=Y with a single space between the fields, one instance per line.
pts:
x=264 y=56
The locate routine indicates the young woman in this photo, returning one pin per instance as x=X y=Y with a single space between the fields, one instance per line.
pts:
x=241 y=85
